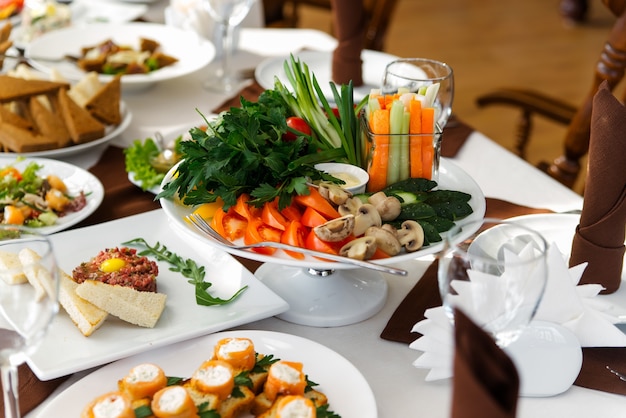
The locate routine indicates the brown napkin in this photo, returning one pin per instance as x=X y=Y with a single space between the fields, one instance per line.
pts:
x=349 y=25
x=486 y=382
x=594 y=373
x=250 y=92
x=599 y=238
x=425 y=293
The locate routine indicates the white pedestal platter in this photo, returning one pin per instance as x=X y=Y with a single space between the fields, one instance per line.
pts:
x=325 y=293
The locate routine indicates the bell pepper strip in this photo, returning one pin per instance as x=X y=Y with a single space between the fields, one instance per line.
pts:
x=207 y=210
x=316 y=201
x=294 y=235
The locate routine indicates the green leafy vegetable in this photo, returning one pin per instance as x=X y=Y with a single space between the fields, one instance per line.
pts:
x=137 y=159
x=188 y=268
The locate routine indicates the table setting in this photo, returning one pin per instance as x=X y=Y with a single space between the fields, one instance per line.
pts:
x=374 y=341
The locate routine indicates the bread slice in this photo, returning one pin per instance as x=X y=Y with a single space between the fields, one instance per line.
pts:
x=12 y=118
x=22 y=140
x=85 y=315
x=82 y=126
x=50 y=125
x=14 y=88
x=12 y=268
x=105 y=104
x=130 y=305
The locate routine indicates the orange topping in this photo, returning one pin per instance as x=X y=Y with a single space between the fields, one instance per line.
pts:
x=109 y=405
x=285 y=378
x=295 y=406
x=239 y=352
x=215 y=376
x=173 y=402
x=143 y=381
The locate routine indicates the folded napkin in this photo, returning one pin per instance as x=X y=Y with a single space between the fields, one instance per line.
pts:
x=349 y=25
x=190 y=15
x=599 y=238
x=486 y=383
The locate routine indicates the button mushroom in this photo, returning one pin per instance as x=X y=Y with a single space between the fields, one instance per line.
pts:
x=360 y=249
x=411 y=235
x=335 y=230
x=388 y=206
x=366 y=216
x=334 y=193
x=386 y=240
x=350 y=206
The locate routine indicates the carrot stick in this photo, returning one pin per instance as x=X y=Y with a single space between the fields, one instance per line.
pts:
x=428 y=151
x=380 y=150
x=415 y=146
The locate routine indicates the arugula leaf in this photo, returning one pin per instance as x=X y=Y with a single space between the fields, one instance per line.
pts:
x=188 y=268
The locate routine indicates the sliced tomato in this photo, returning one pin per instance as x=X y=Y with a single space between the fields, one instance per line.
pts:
x=217 y=221
x=297 y=124
x=244 y=209
x=258 y=231
x=272 y=216
x=11 y=171
x=313 y=242
x=316 y=201
x=292 y=213
x=234 y=226
x=295 y=235
x=379 y=254
x=312 y=218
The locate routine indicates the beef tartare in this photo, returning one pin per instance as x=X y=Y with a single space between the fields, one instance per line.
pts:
x=119 y=266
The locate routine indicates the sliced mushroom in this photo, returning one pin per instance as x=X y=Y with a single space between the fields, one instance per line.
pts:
x=388 y=206
x=360 y=249
x=411 y=235
x=385 y=239
x=350 y=206
x=366 y=216
x=334 y=193
x=335 y=230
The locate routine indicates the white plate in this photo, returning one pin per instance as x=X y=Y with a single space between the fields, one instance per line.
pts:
x=182 y=319
x=320 y=64
x=349 y=394
x=75 y=178
x=111 y=133
x=91 y=11
x=192 y=52
x=451 y=177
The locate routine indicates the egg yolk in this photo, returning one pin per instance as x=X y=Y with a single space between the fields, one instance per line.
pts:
x=112 y=264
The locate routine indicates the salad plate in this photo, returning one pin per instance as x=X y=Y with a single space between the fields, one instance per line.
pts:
x=349 y=394
x=76 y=179
x=191 y=51
x=182 y=318
x=320 y=63
x=110 y=134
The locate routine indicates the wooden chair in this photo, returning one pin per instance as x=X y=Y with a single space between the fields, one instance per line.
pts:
x=610 y=66
x=286 y=13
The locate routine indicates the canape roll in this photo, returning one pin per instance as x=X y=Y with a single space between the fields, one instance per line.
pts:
x=109 y=405
x=215 y=376
x=143 y=381
x=173 y=402
x=285 y=378
x=294 y=406
x=239 y=352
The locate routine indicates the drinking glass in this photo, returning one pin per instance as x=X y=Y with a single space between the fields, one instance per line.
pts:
x=495 y=271
x=228 y=14
x=414 y=74
x=29 y=284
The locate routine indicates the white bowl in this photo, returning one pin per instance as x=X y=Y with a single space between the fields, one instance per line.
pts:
x=355 y=177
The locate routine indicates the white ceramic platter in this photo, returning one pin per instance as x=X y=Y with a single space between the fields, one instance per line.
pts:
x=91 y=11
x=110 y=133
x=192 y=51
x=451 y=177
x=349 y=394
x=182 y=319
x=320 y=64
x=76 y=179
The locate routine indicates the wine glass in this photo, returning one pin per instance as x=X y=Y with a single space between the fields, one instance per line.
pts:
x=28 y=302
x=495 y=272
x=228 y=14
x=414 y=74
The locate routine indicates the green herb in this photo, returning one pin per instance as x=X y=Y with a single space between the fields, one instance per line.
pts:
x=143 y=411
x=323 y=412
x=188 y=268
x=137 y=159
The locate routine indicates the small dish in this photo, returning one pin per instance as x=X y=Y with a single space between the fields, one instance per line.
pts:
x=355 y=177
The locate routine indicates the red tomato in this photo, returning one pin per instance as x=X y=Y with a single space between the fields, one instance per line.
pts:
x=272 y=216
x=292 y=213
x=313 y=242
x=297 y=124
x=312 y=218
x=244 y=209
x=11 y=171
x=234 y=226
x=294 y=235
x=316 y=201
x=257 y=231
x=217 y=221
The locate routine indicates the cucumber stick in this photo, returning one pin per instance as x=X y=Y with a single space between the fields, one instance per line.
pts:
x=396 y=121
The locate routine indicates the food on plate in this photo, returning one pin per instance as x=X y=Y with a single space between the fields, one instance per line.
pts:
x=39 y=17
x=40 y=115
x=109 y=405
x=27 y=198
x=85 y=315
x=109 y=57
x=266 y=388
x=136 y=307
x=25 y=267
x=5 y=36
x=10 y=8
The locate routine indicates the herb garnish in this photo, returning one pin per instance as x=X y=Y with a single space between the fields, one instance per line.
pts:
x=188 y=268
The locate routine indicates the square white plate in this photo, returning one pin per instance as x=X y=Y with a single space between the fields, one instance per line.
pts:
x=65 y=350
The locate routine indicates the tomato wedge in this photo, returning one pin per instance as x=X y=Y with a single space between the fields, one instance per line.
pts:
x=272 y=216
x=258 y=231
x=234 y=226
x=292 y=213
x=294 y=235
x=244 y=209
x=312 y=242
x=312 y=218
x=217 y=221
x=316 y=201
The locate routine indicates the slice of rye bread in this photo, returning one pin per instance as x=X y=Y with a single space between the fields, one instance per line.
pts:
x=105 y=104
x=82 y=126
x=85 y=315
x=50 y=124
x=14 y=88
x=130 y=305
x=22 y=140
x=12 y=118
